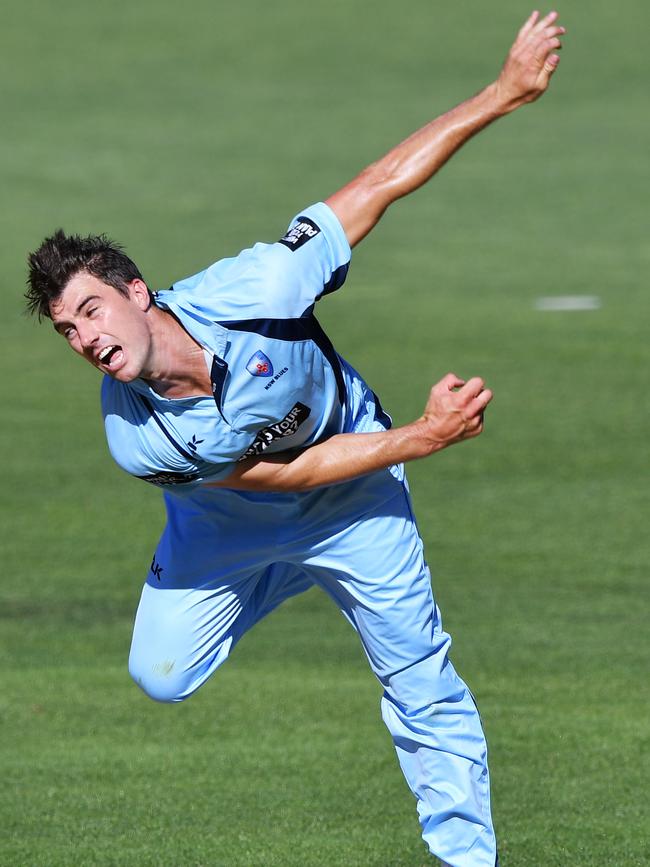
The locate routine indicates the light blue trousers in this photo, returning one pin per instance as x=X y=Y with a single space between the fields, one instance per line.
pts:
x=220 y=568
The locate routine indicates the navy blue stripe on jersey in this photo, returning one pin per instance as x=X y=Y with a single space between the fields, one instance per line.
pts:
x=336 y=280
x=217 y=378
x=323 y=342
x=305 y=328
x=381 y=415
x=179 y=448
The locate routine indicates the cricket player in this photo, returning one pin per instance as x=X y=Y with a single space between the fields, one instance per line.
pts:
x=278 y=465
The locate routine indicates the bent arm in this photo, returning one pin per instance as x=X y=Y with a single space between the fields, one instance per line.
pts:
x=454 y=412
x=525 y=76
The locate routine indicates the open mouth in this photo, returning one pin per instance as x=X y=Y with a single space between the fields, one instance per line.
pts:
x=110 y=356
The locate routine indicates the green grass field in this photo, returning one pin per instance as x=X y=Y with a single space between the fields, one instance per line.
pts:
x=188 y=133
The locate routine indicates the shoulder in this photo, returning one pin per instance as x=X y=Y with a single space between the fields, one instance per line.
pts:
x=307 y=225
x=120 y=399
x=273 y=279
x=109 y=393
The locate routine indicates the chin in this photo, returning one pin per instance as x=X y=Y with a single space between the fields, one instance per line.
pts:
x=124 y=375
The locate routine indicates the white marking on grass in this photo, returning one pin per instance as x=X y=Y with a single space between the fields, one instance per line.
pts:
x=563 y=303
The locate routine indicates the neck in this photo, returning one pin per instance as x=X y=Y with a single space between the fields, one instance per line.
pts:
x=176 y=367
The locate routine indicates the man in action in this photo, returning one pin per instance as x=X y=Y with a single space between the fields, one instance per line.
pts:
x=225 y=392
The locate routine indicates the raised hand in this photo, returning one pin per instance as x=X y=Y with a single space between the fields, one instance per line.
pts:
x=531 y=61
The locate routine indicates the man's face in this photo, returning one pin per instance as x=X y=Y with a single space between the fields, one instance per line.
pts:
x=110 y=330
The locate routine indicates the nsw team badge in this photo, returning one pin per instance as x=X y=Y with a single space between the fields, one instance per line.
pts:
x=259 y=365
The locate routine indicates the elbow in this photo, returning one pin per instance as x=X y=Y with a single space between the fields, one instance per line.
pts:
x=295 y=484
x=385 y=181
x=285 y=481
x=377 y=185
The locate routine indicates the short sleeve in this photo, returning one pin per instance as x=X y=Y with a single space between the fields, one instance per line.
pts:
x=280 y=280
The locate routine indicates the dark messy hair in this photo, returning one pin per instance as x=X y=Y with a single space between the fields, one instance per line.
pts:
x=61 y=257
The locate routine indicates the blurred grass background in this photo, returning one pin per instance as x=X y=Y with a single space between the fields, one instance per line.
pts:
x=188 y=133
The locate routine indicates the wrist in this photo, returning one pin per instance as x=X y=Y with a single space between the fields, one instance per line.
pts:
x=501 y=101
x=423 y=439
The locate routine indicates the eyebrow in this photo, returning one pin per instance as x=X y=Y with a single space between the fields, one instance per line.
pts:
x=58 y=326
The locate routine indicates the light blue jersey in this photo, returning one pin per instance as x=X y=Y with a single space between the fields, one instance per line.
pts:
x=227 y=558
x=277 y=382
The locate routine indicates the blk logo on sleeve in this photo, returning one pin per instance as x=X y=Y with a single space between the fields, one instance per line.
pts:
x=304 y=230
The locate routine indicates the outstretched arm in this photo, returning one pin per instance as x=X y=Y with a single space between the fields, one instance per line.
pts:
x=524 y=78
x=454 y=412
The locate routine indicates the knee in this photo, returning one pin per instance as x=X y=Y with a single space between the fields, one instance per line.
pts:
x=430 y=681
x=160 y=680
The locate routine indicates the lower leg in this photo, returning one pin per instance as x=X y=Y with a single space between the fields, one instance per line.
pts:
x=442 y=752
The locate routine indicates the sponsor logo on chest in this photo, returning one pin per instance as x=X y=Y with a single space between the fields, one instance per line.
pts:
x=278 y=430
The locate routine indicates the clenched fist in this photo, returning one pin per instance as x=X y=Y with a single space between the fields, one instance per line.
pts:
x=454 y=411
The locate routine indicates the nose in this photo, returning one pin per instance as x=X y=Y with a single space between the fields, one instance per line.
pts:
x=87 y=334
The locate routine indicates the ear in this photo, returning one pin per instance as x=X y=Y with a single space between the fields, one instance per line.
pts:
x=139 y=294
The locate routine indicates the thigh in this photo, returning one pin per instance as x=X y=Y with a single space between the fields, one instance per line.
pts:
x=375 y=571
x=182 y=635
x=194 y=607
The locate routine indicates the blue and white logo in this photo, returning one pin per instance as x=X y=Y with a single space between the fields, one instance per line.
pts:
x=259 y=365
